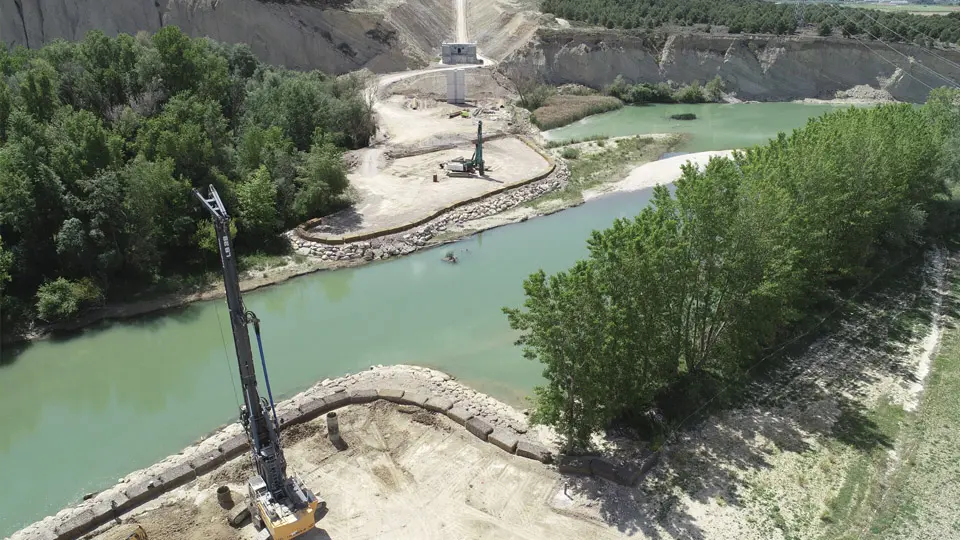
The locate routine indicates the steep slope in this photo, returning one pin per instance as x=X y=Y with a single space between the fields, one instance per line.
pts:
x=754 y=67
x=381 y=36
x=499 y=27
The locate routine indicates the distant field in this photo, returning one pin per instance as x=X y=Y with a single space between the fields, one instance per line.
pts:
x=916 y=9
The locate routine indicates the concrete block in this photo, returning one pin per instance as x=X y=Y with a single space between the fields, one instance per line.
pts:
x=438 y=404
x=504 y=439
x=177 y=475
x=78 y=525
x=119 y=498
x=459 y=415
x=390 y=394
x=363 y=396
x=140 y=492
x=207 y=462
x=289 y=418
x=604 y=468
x=479 y=428
x=575 y=465
x=413 y=399
x=103 y=512
x=534 y=451
x=336 y=401
x=234 y=446
x=312 y=409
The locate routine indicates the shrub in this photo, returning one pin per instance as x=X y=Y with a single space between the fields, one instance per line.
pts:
x=62 y=299
x=562 y=110
x=570 y=153
x=715 y=88
x=690 y=94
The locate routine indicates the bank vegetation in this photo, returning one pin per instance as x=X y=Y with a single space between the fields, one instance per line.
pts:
x=102 y=140
x=672 y=309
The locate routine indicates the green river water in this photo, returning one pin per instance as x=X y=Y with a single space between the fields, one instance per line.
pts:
x=80 y=412
x=717 y=127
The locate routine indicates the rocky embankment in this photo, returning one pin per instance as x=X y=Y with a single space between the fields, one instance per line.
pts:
x=331 y=35
x=763 y=68
x=431 y=233
x=410 y=386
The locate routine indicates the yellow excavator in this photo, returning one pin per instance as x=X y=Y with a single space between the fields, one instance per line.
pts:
x=281 y=506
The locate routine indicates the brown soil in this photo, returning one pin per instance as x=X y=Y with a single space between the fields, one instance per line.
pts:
x=188 y=521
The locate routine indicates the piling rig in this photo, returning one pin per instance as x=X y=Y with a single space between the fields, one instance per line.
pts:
x=279 y=504
x=468 y=167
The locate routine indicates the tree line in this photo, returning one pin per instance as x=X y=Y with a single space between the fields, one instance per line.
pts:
x=759 y=16
x=102 y=140
x=678 y=302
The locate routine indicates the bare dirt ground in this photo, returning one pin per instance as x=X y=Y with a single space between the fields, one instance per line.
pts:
x=404 y=191
x=415 y=476
x=481 y=85
x=424 y=121
x=499 y=27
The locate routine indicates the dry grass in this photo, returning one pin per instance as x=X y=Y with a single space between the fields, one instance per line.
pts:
x=560 y=110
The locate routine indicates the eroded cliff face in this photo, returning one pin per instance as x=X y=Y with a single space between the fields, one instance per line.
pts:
x=382 y=36
x=764 y=68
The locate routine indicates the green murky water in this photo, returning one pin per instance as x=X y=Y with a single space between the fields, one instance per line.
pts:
x=81 y=412
x=717 y=127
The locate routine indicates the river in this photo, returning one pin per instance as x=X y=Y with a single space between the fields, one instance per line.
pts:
x=718 y=126
x=81 y=412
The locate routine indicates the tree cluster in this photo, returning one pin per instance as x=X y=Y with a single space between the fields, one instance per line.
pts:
x=101 y=142
x=681 y=300
x=643 y=93
x=759 y=16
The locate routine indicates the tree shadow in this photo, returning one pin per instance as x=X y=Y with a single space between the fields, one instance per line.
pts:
x=100 y=321
x=339 y=223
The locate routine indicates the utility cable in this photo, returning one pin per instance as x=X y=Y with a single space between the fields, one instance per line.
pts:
x=954 y=83
x=226 y=357
x=929 y=49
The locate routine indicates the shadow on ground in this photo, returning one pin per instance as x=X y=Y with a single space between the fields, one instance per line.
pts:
x=341 y=222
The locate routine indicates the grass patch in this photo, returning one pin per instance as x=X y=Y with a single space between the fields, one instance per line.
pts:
x=560 y=110
x=256 y=262
x=872 y=434
x=920 y=496
x=570 y=153
x=567 y=142
x=613 y=162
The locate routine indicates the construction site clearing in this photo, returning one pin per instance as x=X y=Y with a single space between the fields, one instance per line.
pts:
x=402 y=472
x=391 y=193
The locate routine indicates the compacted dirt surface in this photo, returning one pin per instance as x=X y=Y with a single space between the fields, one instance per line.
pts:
x=404 y=475
x=404 y=190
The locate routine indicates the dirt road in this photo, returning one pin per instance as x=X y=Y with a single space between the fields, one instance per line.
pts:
x=461 y=21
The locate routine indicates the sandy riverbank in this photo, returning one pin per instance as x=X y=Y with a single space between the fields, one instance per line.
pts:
x=648 y=175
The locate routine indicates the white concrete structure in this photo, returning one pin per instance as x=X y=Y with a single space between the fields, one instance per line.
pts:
x=459 y=53
x=456 y=86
